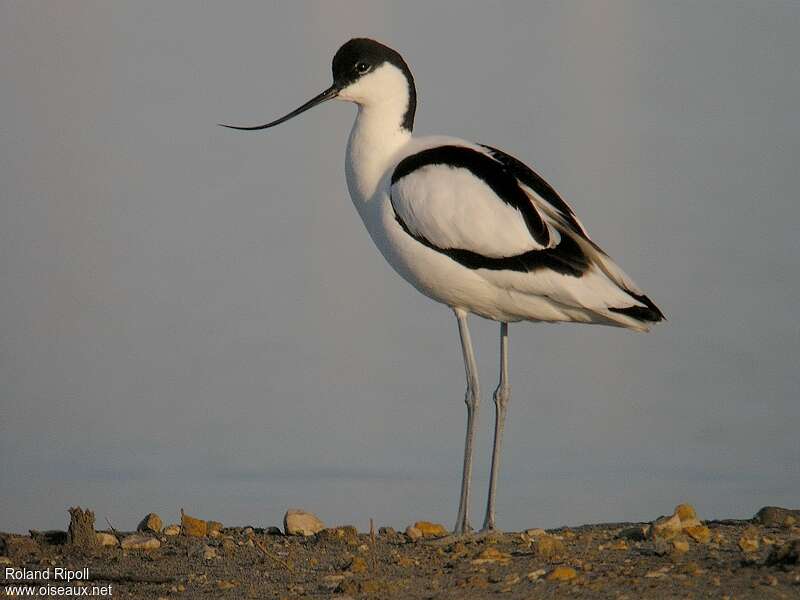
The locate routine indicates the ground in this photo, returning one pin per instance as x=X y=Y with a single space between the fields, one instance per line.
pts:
x=732 y=559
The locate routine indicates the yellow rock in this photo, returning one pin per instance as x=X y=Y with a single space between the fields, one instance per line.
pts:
x=214 y=528
x=680 y=546
x=789 y=521
x=171 y=530
x=699 y=533
x=748 y=544
x=224 y=584
x=666 y=527
x=106 y=539
x=562 y=574
x=151 y=522
x=413 y=533
x=428 y=529
x=492 y=555
x=686 y=512
x=193 y=527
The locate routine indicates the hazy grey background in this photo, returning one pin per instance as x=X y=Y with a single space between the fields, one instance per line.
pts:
x=196 y=317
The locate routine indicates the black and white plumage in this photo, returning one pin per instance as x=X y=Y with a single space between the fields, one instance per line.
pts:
x=471 y=227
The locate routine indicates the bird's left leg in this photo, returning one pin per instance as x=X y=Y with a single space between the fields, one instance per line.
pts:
x=502 y=396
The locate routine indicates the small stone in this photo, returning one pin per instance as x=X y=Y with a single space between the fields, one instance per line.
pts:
x=272 y=530
x=214 y=528
x=536 y=575
x=106 y=539
x=193 y=527
x=300 y=522
x=548 y=547
x=4 y=560
x=430 y=530
x=699 y=533
x=492 y=555
x=387 y=532
x=562 y=574
x=789 y=521
x=140 y=542
x=209 y=553
x=748 y=543
x=680 y=546
x=657 y=574
x=224 y=584
x=413 y=533
x=151 y=522
x=171 y=530
x=358 y=565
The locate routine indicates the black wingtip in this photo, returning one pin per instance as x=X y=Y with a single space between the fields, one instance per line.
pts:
x=649 y=313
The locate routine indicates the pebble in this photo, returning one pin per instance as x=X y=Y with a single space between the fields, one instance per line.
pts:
x=224 y=584
x=413 y=533
x=172 y=530
x=192 y=526
x=140 y=542
x=491 y=555
x=300 y=522
x=536 y=575
x=151 y=522
x=430 y=530
x=562 y=574
x=106 y=539
x=209 y=553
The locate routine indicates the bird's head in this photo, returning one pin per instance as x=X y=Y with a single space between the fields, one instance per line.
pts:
x=369 y=74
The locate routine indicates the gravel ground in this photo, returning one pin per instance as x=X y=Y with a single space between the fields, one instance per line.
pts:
x=591 y=561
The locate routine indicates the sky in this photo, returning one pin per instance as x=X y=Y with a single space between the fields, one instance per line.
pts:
x=196 y=317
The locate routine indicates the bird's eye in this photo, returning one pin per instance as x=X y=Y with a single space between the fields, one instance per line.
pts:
x=362 y=67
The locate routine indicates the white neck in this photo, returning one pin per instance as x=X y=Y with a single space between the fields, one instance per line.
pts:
x=375 y=138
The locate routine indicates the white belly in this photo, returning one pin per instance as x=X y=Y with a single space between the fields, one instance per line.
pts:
x=432 y=273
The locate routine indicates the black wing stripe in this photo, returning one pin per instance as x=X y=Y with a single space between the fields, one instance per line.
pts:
x=492 y=172
x=566 y=258
x=533 y=180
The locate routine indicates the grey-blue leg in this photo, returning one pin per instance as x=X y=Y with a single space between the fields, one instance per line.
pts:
x=472 y=399
x=502 y=396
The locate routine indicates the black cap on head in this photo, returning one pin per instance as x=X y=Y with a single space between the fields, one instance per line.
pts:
x=361 y=56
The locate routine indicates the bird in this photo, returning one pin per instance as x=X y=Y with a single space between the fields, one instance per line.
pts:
x=471 y=227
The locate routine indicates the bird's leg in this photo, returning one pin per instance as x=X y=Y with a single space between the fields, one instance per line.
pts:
x=472 y=399
x=502 y=396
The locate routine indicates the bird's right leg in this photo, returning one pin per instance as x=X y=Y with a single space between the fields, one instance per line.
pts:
x=472 y=399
